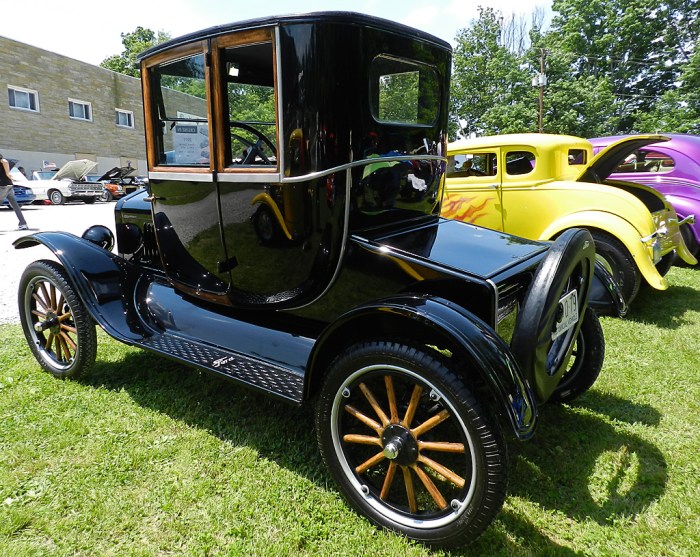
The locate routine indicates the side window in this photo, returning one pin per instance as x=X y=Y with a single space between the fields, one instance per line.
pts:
x=124 y=118
x=646 y=161
x=179 y=104
x=577 y=156
x=519 y=162
x=24 y=99
x=403 y=92
x=471 y=164
x=249 y=105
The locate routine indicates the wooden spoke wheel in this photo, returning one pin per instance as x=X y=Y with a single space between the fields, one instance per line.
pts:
x=58 y=328
x=409 y=446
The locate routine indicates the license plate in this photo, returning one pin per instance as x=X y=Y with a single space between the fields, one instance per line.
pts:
x=568 y=311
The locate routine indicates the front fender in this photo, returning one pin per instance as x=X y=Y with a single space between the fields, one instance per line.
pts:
x=620 y=229
x=104 y=281
x=425 y=317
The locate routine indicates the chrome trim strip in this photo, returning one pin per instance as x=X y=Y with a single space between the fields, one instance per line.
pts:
x=361 y=162
x=249 y=177
x=182 y=176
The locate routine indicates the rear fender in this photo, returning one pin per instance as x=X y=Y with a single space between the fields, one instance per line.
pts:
x=435 y=319
x=104 y=281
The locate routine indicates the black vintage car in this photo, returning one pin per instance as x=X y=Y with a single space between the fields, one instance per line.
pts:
x=290 y=240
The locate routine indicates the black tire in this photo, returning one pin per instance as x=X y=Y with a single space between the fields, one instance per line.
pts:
x=59 y=330
x=567 y=267
x=266 y=226
x=690 y=242
x=377 y=464
x=56 y=197
x=89 y=200
x=106 y=196
x=586 y=360
x=666 y=262
x=619 y=262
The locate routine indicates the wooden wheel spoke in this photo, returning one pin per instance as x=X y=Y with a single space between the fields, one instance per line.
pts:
x=367 y=464
x=68 y=328
x=431 y=423
x=410 y=492
x=46 y=295
x=57 y=348
x=374 y=404
x=68 y=340
x=61 y=299
x=412 y=406
x=38 y=314
x=362 y=439
x=442 y=447
x=390 y=473
x=430 y=486
x=52 y=289
x=65 y=316
x=442 y=470
x=64 y=346
x=369 y=422
x=49 y=341
x=39 y=301
x=391 y=395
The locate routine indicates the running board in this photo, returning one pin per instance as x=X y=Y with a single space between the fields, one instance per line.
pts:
x=257 y=374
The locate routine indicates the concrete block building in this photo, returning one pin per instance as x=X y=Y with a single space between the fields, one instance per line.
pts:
x=57 y=109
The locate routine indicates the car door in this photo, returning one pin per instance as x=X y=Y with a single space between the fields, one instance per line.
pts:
x=473 y=192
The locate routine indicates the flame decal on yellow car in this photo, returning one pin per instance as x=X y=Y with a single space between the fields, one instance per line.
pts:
x=464 y=208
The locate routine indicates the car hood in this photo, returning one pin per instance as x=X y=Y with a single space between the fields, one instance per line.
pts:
x=117 y=173
x=605 y=162
x=75 y=170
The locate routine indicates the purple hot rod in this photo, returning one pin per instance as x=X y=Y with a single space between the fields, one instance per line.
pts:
x=673 y=168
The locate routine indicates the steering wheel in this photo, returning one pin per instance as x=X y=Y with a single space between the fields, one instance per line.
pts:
x=253 y=149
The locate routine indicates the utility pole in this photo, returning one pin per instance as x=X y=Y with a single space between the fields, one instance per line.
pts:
x=540 y=80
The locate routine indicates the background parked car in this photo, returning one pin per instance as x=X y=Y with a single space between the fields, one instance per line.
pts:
x=538 y=185
x=23 y=195
x=120 y=181
x=66 y=184
x=671 y=167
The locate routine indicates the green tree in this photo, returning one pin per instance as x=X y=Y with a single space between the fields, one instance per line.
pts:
x=490 y=89
x=134 y=43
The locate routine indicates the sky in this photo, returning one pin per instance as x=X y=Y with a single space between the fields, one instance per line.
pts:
x=91 y=31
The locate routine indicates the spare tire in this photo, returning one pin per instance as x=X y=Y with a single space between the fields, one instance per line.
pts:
x=539 y=346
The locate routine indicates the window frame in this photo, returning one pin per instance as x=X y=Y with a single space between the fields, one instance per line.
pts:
x=130 y=115
x=29 y=92
x=82 y=103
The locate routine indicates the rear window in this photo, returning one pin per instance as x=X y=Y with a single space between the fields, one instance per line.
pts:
x=404 y=92
x=644 y=161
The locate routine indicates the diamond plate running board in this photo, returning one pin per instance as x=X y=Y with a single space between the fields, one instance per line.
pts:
x=258 y=374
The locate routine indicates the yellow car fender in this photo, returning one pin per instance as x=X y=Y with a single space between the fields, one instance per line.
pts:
x=618 y=228
x=266 y=199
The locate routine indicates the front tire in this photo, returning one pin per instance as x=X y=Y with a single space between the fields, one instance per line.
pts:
x=689 y=239
x=619 y=262
x=56 y=197
x=408 y=444
x=60 y=332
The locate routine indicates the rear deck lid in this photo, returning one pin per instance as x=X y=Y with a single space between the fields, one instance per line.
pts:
x=605 y=162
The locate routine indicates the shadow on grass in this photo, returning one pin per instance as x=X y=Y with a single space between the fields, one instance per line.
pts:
x=664 y=308
x=619 y=409
x=554 y=470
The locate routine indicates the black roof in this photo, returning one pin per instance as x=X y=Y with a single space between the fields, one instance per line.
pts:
x=349 y=18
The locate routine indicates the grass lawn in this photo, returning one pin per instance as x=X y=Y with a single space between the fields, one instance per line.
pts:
x=146 y=457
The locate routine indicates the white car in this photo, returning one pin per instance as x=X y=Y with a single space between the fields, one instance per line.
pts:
x=68 y=183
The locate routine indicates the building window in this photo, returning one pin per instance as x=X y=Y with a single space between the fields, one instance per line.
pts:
x=24 y=99
x=125 y=118
x=80 y=110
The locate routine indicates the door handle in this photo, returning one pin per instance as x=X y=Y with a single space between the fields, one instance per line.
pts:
x=153 y=198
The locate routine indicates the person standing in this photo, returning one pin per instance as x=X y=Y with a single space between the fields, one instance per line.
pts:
x=7 y=192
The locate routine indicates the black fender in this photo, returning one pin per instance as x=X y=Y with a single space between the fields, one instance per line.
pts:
x=430 y=318
x=605 y=296
x=104 y=281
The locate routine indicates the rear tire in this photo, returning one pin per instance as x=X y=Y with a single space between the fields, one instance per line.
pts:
x=408 y=444
x=690 y=241
x=586 y=360
x=56 y=197
x=60 y=332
